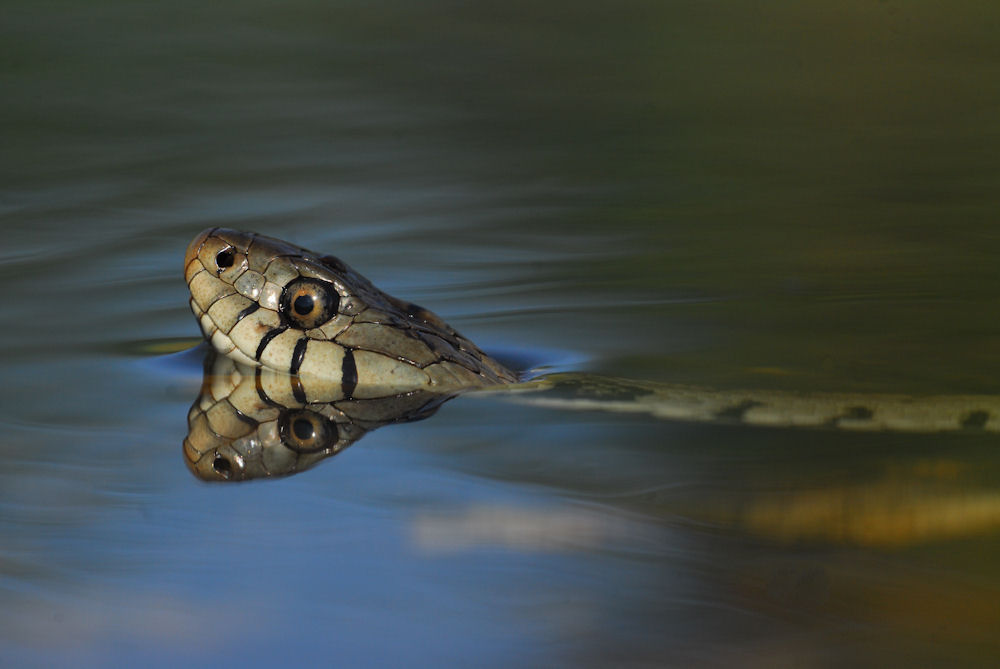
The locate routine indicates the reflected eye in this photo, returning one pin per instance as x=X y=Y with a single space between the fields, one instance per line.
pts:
x=308 y=303
x=225 y=259
x=304 y=431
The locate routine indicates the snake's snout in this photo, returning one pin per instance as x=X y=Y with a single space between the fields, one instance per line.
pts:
x=195 y=246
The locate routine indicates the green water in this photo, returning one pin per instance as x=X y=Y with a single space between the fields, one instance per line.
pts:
x=788 y=195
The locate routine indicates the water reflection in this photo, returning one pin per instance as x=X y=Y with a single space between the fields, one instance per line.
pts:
x=928 y=501
x=248 y=424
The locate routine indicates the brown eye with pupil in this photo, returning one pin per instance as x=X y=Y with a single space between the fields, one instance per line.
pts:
x=308 y=303
x=305 y=431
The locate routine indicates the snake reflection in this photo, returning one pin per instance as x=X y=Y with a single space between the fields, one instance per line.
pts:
x=247 y=422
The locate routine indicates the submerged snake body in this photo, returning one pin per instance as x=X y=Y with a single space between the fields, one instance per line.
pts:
x=266 y=303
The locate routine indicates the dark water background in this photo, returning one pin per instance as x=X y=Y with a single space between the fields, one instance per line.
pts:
x=795 y=195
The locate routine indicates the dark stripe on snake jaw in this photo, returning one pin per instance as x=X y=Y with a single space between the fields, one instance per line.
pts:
x=246 y=312
x=242 y=417
x=348 y=374
x=297 y=355
x=261 y=393
x=297 y=390
x=266 y=339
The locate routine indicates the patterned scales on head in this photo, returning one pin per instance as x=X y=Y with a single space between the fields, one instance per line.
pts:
x=267 y=303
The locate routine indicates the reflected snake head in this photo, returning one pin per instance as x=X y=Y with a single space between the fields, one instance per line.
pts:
x=247 y=424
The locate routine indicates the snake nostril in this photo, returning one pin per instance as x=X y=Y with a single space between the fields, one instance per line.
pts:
x=225 y=259
x=222 y=467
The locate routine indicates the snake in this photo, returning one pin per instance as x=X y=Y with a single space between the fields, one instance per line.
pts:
x=330 y=335
x=266 y=303
x=308 y=356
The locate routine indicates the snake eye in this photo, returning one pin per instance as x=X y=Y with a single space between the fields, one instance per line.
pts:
x=308 y=303
x=225 y=259
x=305 y=431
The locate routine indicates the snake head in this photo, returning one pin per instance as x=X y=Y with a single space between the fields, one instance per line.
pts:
x=267 y=303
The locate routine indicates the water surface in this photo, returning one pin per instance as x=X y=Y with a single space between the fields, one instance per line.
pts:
x=785 y=195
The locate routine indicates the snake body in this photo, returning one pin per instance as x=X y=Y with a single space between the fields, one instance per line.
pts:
x=310 y=357
x=267 y=303
x=328 y=334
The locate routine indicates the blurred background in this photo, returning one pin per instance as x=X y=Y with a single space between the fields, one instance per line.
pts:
x=787 y=195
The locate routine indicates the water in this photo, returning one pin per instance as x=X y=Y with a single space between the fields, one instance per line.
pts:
x=779 y=195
